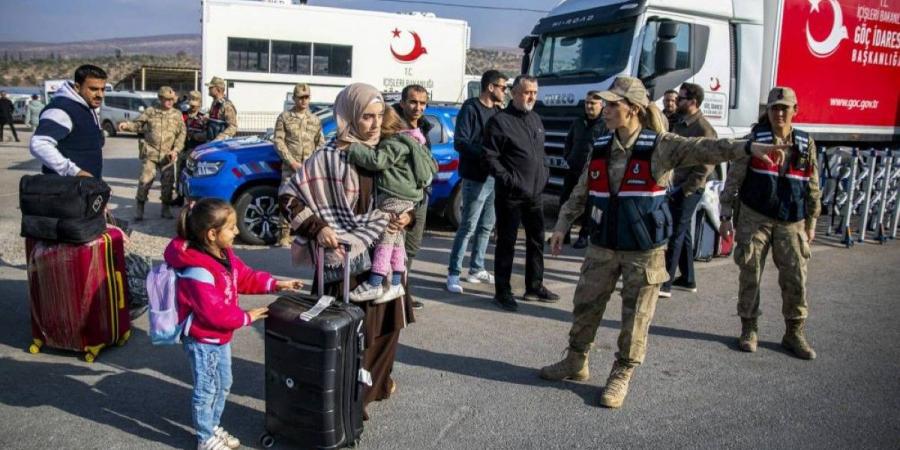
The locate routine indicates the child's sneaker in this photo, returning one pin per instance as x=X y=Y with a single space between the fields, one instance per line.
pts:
x=482 y=276
x=226 y=437
x=453 y=284
x=366 y=292
x=213 y=443
x=394 y=292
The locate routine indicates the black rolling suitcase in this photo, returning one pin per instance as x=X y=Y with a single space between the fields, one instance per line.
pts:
x=314 y=376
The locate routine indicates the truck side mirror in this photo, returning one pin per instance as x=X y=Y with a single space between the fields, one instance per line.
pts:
x=527 y=44
x=668 y=30
x=666 y=56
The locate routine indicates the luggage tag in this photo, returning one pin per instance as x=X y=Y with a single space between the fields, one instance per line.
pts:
x=324 y=302
x=365 y=377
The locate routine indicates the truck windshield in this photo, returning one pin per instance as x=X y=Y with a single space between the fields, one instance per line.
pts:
x=599 y=52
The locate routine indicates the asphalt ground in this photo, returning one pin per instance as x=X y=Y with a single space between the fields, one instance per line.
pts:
x=467 y=371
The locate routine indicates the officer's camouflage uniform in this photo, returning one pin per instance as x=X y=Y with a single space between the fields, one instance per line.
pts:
x=222 y=120
x=164 y=133
x=756 y=233
x=642 y=271
x=297 y=135
x=195 y=125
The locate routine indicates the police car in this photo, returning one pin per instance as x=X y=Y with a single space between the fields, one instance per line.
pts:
x=246 y=171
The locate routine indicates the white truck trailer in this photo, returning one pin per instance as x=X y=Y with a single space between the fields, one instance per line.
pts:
x=263 y=49
x=840 y=56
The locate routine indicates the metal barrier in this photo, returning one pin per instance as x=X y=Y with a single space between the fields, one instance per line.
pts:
x=861 y=188
x=256 y=122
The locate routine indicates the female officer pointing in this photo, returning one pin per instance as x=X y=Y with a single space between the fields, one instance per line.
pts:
x=626 y=181
x=778 y=208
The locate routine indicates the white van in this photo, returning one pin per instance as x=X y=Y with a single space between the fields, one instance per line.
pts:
x=120 y=106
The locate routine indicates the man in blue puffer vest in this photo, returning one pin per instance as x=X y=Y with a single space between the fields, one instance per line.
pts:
x=68 y=139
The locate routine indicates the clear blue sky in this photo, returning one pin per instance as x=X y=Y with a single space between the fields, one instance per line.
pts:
x=78 y=20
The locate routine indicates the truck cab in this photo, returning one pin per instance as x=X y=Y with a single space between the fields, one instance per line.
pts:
x=582 y=45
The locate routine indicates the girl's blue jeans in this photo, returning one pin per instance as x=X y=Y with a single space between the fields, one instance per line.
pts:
x=211 y=367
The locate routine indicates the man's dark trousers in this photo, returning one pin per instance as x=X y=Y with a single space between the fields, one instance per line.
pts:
x=510 y=212
x=11 y=127
x=680 y=253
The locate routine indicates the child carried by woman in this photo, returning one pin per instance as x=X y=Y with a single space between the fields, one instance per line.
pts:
x=405 y=169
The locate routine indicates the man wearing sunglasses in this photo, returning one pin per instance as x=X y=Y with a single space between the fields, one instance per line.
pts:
x=477 y=187
x=298 y=133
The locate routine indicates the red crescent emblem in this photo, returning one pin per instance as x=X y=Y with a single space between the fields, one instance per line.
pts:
x=714 y=84
x=414 y=54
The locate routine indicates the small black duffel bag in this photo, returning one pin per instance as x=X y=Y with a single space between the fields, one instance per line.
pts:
x=63 y=209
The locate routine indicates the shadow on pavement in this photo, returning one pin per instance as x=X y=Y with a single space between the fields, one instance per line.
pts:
x=490 y=370
x=137 y=354
x=142 y=405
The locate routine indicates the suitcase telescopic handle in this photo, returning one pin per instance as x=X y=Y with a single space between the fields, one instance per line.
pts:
x=346 y=248
x=320 y=270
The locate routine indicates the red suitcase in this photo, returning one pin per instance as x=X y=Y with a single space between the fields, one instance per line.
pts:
x=77 y=294
x=726 y=245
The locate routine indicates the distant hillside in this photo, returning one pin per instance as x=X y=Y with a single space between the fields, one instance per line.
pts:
x=29 y=63
x=162 y=45
x=33 y=72
x=507 y=61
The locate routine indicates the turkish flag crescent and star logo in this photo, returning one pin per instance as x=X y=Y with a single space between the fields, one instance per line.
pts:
x=841 y=58
x=414 y=53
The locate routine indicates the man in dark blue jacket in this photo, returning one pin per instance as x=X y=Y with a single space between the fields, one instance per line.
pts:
x=68 y=139
x=477 y=187
x=514 y=154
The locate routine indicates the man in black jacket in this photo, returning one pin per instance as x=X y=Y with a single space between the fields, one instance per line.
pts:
x=6 y=115
x=477 y=188
x=514 y=154
x=577 y=151
x=413 y=101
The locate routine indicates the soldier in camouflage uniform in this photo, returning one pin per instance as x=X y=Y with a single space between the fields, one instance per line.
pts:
x=222 y=120
x=298 y=133
x=163 y=130
x=776 y=207
x=626 y=180
x=195 y=122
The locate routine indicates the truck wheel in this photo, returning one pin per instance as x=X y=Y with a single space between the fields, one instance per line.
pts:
x=257 y=215
x=453 y=212
x=109 y=128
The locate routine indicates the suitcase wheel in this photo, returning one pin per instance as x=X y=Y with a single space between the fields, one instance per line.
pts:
x=35 y=346
x=267 y=440
x=122 y=340
x=90 y=353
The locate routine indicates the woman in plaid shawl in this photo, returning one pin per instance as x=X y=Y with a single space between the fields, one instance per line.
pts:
x=330 y=202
